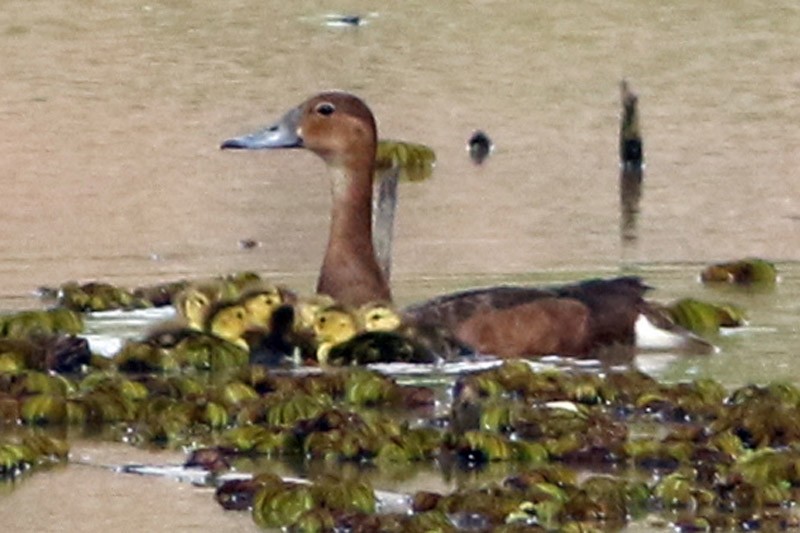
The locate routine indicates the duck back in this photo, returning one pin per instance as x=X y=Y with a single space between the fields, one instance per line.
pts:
x=512 y=321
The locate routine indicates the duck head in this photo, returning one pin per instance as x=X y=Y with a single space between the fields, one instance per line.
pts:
x=337 y=126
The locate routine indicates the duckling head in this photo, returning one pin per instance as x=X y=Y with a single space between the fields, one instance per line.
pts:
x=260 y=304
x=335 y=325
x=379 y=316
x=194 y=303
x=307 y=310
x=230 y=322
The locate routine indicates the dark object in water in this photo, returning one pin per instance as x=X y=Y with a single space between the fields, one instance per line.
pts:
x=237 y=494
x=248 y=244
x=631 y=150
x=277 y=346
x=47 y=352
x=353 y=20
x=212 y=459
x=67 y=353
x=479 y=146
x=343 y=20
x=631 y=156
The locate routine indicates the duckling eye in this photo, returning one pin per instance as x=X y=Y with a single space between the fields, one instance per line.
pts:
x=325 y=108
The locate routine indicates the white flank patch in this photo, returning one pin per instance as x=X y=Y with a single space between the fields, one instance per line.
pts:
x=651 y=337
x=563 y=404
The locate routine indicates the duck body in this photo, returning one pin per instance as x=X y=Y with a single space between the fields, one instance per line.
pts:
x=574 y=319
x=514 y=321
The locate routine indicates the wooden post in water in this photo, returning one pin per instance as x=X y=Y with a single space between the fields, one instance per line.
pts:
x=631 y=155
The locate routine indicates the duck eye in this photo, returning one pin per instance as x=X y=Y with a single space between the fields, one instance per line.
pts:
x=325 y=108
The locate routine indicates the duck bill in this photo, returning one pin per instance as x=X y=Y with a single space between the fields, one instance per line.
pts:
x=282 y=134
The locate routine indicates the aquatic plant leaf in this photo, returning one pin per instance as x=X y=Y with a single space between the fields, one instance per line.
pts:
x=414 y=161
x=704 y=317
x=752 y=271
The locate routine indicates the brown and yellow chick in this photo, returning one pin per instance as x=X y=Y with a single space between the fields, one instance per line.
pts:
x=333 y=325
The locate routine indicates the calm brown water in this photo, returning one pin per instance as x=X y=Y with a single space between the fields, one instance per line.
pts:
x=112 y=113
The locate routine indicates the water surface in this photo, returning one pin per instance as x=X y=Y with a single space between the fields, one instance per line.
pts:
x=112 y=115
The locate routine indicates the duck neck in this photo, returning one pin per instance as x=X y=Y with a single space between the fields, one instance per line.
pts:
x=350 y=272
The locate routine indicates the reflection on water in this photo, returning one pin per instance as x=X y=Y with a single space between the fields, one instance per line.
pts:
x=630 y=196
x=113 y=112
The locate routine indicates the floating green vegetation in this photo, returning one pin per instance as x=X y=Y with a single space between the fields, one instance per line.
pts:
x=414 y=162
x=37 y=323
x=310 y=507
x=720 y=457
x=752 y=271
x=99 y=296
x=581 y=445
x=704 y=317
x=30 y=452
x=196 y=350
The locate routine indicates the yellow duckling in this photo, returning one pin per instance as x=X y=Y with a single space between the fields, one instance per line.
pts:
x=333 y=325
x=261 y=301
x=375 y=333
x=230 y=322
x=308 y=309
x=379 y=316
x=194 y=303
x=382 y=317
